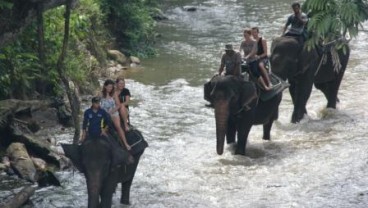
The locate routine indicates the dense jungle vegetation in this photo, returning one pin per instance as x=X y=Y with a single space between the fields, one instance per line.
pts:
x=28 y=62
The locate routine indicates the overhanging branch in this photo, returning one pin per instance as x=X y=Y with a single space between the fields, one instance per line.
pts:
x=14 y=21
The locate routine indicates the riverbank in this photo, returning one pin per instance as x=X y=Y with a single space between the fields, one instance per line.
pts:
x=320 y=162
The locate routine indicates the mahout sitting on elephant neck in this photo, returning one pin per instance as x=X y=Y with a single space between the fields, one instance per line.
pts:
x=237 y=107
x=94 y=158
x=300 y=71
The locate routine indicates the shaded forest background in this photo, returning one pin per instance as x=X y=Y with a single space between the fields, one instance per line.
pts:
x=32 y=39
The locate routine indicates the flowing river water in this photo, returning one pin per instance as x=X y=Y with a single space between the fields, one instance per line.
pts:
x=320 y=162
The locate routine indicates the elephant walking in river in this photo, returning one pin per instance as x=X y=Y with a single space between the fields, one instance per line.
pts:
x=94 y=159
x=238 y=107
x=290 y=61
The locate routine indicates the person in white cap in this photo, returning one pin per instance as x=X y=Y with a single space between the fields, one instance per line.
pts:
x=231 y=61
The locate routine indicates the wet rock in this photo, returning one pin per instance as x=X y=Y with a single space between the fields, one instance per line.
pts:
x=190 y=8
x=38 y=146
x=33 y=126
x=157 y=14
x=20 y=198
x=117 y=56
x=6 y=161
x=51 y=140
x=135 y=60
x=47 y=178
x=21 y=162
x=2 y=167
x=12 y=107
x=39 y=163
x=64 y=116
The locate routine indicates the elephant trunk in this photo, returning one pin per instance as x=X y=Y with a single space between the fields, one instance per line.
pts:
x=221 y=116
x=94 y=182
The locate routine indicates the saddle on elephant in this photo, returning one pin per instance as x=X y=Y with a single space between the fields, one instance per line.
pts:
x=278 y=84
x=119 y=156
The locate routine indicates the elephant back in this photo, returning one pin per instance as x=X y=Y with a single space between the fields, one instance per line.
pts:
x=284 y=44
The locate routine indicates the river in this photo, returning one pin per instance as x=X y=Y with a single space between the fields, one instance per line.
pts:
x=320 y=162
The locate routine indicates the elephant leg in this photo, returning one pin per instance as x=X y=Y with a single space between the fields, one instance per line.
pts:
x=106 y=196
x=231 y=131
x=243 y=128
x=330 y=90
x=325 y=89
x=93 y=193
x=267 y=130
x=125 y=192
x=109 y=188
x=292 y=91
x=242 y=140
x=303 y=90
x=127 y=180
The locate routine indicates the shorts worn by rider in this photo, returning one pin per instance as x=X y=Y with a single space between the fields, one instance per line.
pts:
x=253 y=68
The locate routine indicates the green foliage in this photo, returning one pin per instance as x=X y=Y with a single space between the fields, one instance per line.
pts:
x=130 y=20
x=332 y=19
x=21 y=71
x=4 y=4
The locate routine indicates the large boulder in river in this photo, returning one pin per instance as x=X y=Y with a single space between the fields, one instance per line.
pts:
x=21 y=162
x=135 y=60
x=117 y=56
x=190 y=8
x=157 y=14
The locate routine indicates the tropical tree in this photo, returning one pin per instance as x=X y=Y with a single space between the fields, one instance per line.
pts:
x=334 y=19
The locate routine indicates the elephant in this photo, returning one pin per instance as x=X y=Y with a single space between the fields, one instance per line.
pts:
x=237 y=108
x=303 y=67
x=94 y=159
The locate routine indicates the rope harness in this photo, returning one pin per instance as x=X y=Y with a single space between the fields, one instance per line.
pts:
x=334 y=55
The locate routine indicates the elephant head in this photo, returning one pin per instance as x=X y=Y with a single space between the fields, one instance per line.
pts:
x=291 y=61
x=98 y=159
x=230 y=96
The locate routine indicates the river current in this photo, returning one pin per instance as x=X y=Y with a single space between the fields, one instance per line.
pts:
x=320 y=162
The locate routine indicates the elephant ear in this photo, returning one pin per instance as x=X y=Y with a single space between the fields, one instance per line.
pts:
x=72 y=151
x=248 y=96
x=207 y=91
x=208 y=88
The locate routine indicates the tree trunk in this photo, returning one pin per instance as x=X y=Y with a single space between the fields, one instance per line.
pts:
x=20 y=198
x=41 y=45
x=72 y=96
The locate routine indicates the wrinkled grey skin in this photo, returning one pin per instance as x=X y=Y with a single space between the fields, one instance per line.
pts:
x=101 y=179
x=237 y=108
x=299 y=67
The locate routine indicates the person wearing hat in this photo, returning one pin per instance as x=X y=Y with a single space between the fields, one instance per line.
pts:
x=231 y=61
x=95 y=120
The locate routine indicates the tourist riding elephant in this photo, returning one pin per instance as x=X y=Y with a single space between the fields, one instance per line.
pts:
x=299 y=66
x=94 y=159
x=238 y=107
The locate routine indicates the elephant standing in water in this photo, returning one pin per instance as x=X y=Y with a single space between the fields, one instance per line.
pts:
x=238 y=107
x=94 y=159
x=299 y=66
